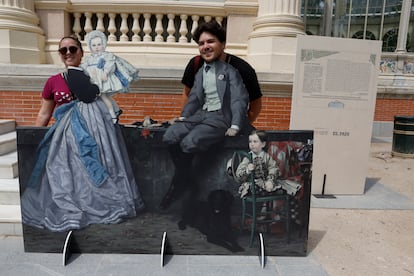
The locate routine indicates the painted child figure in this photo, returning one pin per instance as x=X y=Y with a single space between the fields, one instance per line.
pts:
x=109 y=72
x=264 y=166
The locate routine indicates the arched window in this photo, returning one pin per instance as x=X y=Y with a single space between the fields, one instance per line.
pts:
x=360 y=35
x=389 y=40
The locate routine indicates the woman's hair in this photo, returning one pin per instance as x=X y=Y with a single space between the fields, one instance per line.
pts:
x=212 y=27
x=95 y=34
x=261 y=134
x=75 y=38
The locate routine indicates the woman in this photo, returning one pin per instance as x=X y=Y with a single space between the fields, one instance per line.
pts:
x=82 y=175
x=56 y=92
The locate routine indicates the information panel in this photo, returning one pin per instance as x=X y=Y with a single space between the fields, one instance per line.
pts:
x=334 y=92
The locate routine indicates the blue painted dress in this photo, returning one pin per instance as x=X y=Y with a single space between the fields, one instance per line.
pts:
x=112 y=74
x=83 y=175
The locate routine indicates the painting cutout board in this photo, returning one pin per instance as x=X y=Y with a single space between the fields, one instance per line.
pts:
x=155 y=230
x=334 y=93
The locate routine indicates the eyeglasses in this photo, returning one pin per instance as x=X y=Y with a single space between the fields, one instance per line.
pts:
x=64 y=50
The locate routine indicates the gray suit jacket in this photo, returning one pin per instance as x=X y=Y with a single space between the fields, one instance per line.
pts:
x=233 y=95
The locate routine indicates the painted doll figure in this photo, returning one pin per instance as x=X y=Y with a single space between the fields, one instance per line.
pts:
x=264 y=166
x=109 y=72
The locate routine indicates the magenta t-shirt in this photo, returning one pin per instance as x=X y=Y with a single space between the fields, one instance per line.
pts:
x=56 y=89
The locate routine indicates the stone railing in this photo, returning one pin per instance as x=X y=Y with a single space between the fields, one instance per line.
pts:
x=136 y=27
x=155 y=33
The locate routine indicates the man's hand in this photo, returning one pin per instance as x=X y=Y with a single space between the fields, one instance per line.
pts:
x=175 y=119
x=172 y=121
x=231 y=132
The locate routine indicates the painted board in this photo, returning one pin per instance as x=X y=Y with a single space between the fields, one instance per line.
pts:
x=153 y=170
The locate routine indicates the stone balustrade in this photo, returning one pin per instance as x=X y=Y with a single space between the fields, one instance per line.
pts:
x=137 y=27
x=147 y=33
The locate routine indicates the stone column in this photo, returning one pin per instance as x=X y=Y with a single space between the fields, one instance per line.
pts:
x=403 y=28
x=272 y=43
x=22 y=38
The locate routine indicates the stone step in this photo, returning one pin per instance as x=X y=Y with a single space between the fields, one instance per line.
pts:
x=9 y=192
x=9 y=168
x=10 y=220
x=10 y=215
x=8 y=142
x=7 y=126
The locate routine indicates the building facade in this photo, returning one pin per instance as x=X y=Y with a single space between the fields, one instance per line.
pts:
x=155 y=36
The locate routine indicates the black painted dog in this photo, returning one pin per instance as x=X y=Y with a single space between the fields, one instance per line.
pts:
x=212 y=218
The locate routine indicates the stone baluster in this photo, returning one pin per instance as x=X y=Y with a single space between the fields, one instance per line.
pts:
x=135 y=27
x=219 y=20
x=88 y=23
x=171 y=28
x=100 y=24
x=158 y=28
x=207 y=18
x=183 y=29
x=147 y=27
x=76 y=24
x=124 y=27
x=195 y=19
x=111 y=27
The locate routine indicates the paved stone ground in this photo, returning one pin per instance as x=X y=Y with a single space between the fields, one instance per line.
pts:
x=362 y=241
x=368 y=235
x=14 y=261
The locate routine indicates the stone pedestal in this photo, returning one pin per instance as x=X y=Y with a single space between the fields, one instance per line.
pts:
x=19 y=47
x=22 y=39
x=272 y=43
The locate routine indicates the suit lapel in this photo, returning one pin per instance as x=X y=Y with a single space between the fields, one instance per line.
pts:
x=198 y=85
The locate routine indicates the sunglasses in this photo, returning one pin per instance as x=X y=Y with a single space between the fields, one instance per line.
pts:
x=64 y=50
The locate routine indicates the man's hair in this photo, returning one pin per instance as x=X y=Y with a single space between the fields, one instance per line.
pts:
x=212 y=27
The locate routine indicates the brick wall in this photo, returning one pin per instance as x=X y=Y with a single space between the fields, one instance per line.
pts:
x=20 y=106
x=386 y=109
x=275 y=115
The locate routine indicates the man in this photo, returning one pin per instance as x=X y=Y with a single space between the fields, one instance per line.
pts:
x=216 y=107
x=247 y=73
